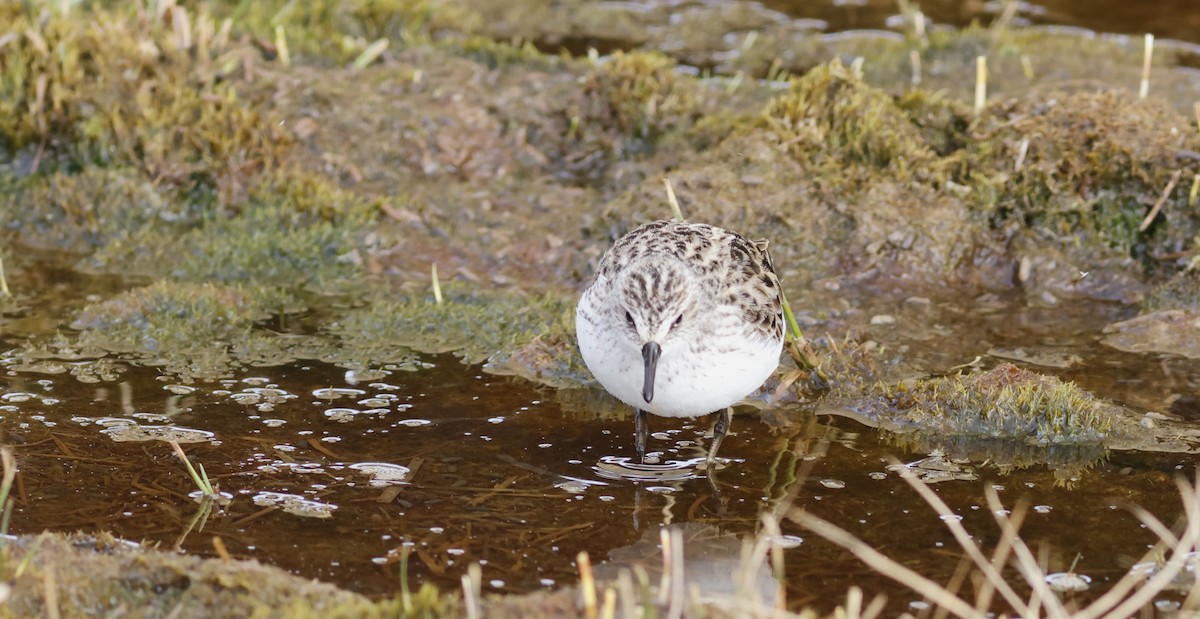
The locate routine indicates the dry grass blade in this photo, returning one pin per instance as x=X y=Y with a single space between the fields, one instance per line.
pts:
x=587 y=582
x=1043 y=602
x=989 y=568
x=932 y=591
x=9 y=462
x=370 y=54
x=980 y=84
x=50 y=584
x=1026 y=563
x=1185 y=544
x=472 y=583
x=435 y=283
x=1144 y=87
x=675 y=210
x=983 y=599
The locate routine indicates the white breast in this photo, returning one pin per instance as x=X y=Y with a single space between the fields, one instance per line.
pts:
x=692 y=379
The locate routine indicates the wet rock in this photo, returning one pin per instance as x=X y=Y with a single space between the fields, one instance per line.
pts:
x=1175 y=332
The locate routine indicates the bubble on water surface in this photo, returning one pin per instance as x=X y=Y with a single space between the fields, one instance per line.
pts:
x=334 y=393
x=357 y=376
x=134 y=433
x=572 y=486
x=383 y=473
x=151 y=417
x=342 y=415
x=1067 y=581
x=294 y=504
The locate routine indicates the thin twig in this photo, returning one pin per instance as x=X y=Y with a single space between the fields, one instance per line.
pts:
x=1161 y=201
x=1103 y=606
x=980 y=84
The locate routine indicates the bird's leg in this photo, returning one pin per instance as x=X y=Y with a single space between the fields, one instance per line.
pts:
x=640 y=431
x=719 y=430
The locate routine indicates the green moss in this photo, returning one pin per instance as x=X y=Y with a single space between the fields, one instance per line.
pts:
x=104 y=575
x=499 y=53
x=640 y=96
x=340 y=31
x=191 y=330
x=101 y=88
x=94 y=208
x=168 y=316
x=944 y=124
x=507 y=327
x=1005 y=402
x=830 y=117
x=293 y=232
x=1088 y=165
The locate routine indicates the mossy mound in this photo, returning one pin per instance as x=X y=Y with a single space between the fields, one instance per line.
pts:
x=292 y=231
x=176 y=321
x=339 y=32
x=94 y=208
x=108 y=576
x=110 y=89
x=1090 y=165
x=1005 y=402
x=531 y=335
x=641 y=96
x=830 y=117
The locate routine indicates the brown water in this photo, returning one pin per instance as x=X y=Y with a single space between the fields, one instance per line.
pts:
x=494 y=471
x=505 y=473
x=1174 y=19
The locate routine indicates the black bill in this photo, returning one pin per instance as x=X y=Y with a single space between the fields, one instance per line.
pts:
x=650 y=353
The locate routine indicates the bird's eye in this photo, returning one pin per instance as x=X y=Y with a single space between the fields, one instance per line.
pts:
x=678 y=320
x=629 y=318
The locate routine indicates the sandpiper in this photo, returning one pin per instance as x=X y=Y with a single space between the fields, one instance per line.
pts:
x=683 y=319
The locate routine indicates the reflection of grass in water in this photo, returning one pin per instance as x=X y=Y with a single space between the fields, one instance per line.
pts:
x=1134 y=592
x=1120 y=601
